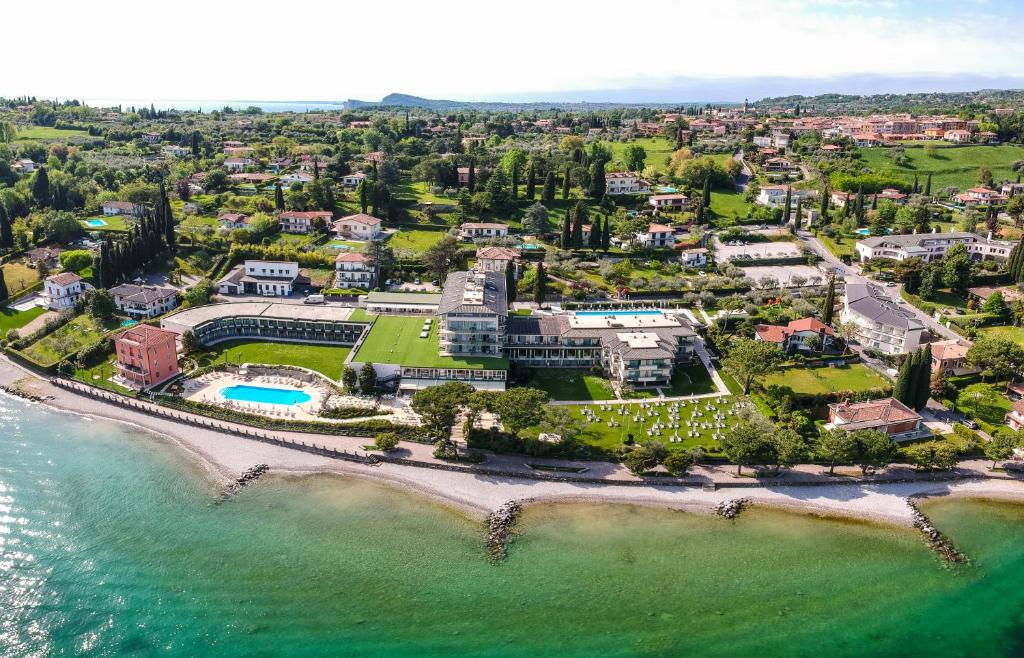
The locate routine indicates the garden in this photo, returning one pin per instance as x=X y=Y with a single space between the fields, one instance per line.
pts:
x=328 y=360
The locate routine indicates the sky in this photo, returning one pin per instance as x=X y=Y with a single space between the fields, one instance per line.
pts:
x=655 y=50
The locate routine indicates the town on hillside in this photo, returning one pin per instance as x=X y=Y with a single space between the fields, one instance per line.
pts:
x=765 y=284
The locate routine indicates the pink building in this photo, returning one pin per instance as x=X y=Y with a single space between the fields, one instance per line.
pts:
x=146 y=356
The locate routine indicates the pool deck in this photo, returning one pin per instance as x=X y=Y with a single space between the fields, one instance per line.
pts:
x=207 y=389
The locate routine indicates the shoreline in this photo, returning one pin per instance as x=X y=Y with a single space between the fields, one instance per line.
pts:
x=223 y=456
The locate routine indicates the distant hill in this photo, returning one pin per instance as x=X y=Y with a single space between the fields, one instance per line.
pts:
x=440 y=105
x=917 y=103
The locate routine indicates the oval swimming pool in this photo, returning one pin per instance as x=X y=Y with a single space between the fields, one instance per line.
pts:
x=264 y=394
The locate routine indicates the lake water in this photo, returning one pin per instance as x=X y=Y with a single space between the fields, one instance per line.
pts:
x=110 y=546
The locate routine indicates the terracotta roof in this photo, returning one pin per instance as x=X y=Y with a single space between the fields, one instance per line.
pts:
x=659 y=228
x=307 y=214
x=64 y=278
x=1018 y=407
x=772 y=333
x=145 y=334
x=484 y=225
x=361 y=218
x=352 y=258
x=948 y=350
x=498 y=253
x=879 y=412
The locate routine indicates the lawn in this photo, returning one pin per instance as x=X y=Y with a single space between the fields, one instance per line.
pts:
x=600 y=435
x=396 y=340
x=81 y=331
x=818 y=381
x=326 y=359
x=117 y=223
x=571 y=384
x=420 y=192
x=839 y=249
x=942 y=299
x=99 y=376
x=693 y=379
x=12 y=319
x=729 y=205
x=1016 y=334
x=19 y=276
x=360 y=315
x=949 y=166
x=50 y=134
x=414 y=241
x=658 y=150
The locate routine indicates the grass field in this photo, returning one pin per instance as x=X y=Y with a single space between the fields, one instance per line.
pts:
x=657 y=148
x=1016 y=334
x=46 y=133
x=100 y=374
x=19 y=276
x=729 y=205
x=693 y=379
x=855 y=377
x=414 y=241
x=571 y=384
x=12 y=319
x=949 y=166
x=326 y=359
x=396 y=340
x=81 y=331
x=117 y=223
x=839 y=249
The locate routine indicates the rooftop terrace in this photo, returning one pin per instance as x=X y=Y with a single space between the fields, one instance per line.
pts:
x=396 y=340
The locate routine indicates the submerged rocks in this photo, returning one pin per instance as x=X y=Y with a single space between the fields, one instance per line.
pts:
x=730 y=509
x=500 y=524
x=247 y=477
x=938 y=542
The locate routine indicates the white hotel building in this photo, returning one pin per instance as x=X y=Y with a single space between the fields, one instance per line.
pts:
x=931 y=246
x=881 y=324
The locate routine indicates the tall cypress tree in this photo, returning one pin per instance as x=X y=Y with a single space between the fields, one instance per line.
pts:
x=916 y=186
x=828 y=306
x=597 y=182
x=901 y=388
x=41 y=187
x=928 y=185
x=195 y=143
x=594 y=239
x=566 y=183
x=606 y=235
x=924 y=378
x=471 y=177
x=787 y=207
x=540 y=286
x=531 y=181
x=566 y=230
x=6 y=233
x=578 y=215
x=1015 y=264
x=706 y=195
x=364 y=201
x=799 y=214
x=169 y=236
x=279 y=196
x=510 y=283
x=547 y=195
x=913 y=380
x=3 y=287
x=823 y=209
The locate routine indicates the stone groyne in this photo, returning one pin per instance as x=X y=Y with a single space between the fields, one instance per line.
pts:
x=500 y=524
x=939 y=543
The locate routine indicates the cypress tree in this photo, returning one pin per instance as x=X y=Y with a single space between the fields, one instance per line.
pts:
x=471 y=178
x=823 y=210
x=6 y=233
x=3 y=287
x=901 y=388
x=787 y=207
x=828 y=305
x=531 y=181
x=566 y=182
x=799 y=214
x=928 y=185
x=540 y=284
x=41 y=187
x=1015 y=264
x=566 y=230
x=510 y=283
x=279 y=197
x=316 y=169
x=924 y=378
x=169 y=236
x=606 y=235
x=706 y=196
x=195 y=143
x=363 y=201
x=594 y=239
x=597 y=183
x=916 y=187
x=547 y=195
x=913 y=380
x=874 y=202
x=578 y=215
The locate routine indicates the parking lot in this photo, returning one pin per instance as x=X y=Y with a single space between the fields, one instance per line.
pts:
x=755 y=250
x=784 y=274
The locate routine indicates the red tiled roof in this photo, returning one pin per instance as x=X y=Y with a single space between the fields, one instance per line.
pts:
x=145 y=334
x=889 y=410
x=361 y=218
x=64 y=278
x=307 y=214
x=352 y=258
x=498 y=253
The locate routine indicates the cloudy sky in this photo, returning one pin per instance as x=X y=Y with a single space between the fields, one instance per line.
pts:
x=669 y=50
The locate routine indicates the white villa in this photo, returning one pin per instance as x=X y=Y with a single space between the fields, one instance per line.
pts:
x=267 y=278
x=358 y=227
x=144 y=301
x=61 y=291
x=476 y=230
x=658 y=236
x=353 y=270
x=932 y=246
x=881 y=324
x=624 y=182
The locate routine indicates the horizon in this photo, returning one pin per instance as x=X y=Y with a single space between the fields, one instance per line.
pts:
x=899 y=47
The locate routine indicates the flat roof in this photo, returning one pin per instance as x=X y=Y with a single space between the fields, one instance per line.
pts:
x=622 y=320
x=192 y=317
x=423 y=298
x=395 y=339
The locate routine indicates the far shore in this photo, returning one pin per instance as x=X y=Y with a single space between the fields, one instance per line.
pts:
x=225 y=456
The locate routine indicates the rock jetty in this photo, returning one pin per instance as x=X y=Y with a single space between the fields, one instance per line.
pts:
x=730 y=509
x=500 y=524
x=247 y=477
x=938 y=542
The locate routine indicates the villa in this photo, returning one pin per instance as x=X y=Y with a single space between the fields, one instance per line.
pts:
x=797 y=335
x=772 y=195
x=657 y=236
x=1015 y=417
x=351 y=181
x=889 y=415
x=672 y=202
x=624 y=182
x=881 y=323
x=694 y=258
x=354 y=270
x=120 y=208
x=266 y=278
x=293 y=221
x=145 y=356
x=234 y=220
x=950 y=356
x=484 y=230
x=61 y=291
x=932 y=246
x=144 y=301
x=981 y=196
x=358 y=227
x=237 y=164
x=496 y=259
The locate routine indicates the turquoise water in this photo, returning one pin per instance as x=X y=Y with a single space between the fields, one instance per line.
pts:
x=264 y=394
x=129 y=323
x=110 y=546
x=615 y=313
x=96 y=222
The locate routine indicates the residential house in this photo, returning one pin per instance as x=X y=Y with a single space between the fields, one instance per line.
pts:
x=175 y=151
x=140 y=302
x=295 y=221
x=354 y=270
x=61 y=291
x=624 y=182
x=657 y=236
x=882 y=324
x=358 y=227
x=496 y=259
x=981 y=196
x=695 y=258
x=772 y=195
x=932 y=246
x=889 y=415
x=151 y=138
x=146 y=356
x=483 y=230
x=233 y=220
x=296 y=177
x=463 y=175
x=894 y=195
x=237 y=164
x=351 y=181
x=798 y=335
x=777 y=164
x=24 y=166
x=266 y=278
x=670 y=202
x=120 y=208
x=950 y=356
x=957 y=136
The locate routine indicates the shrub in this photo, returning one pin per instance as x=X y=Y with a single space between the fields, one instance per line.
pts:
x=386 y=441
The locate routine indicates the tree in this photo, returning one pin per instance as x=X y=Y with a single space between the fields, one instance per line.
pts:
x=828 y=305
x=640 y=460
x=923 y=379
x=579 y=215
x=901 y=389
x=512 y=163
x=928 y=185
x=787 y=207
x=565 y=238
x=594 y=237
x=679 y=463
x=363 y=193
x=985 y=177
x=439 y=406
x=996 y=306
x=982 y=401
x=749 y=358
x=6 y=233
x=540 y=286
x=913 y=363
x=41 y=187
x=350 y=378
x=566 y=183
x=788 y=448
x=999 y=358
x=385 y=441
x=748 y=442
x=4 y=295
x=956 y=268
x=875 y=449
x=531 y=181
x=75 y=260
x=635 y=157
x=931 y=280
x=535 y=222
x=1001 y=447
x=368 y=379
x=101 y=305
x=279 y=197
x=597 y=185
x=510 y=283
x=189 y=343
x=519 y=407
x=836 y=446
x=547 y=194
x=471 y=176
x=443 y=257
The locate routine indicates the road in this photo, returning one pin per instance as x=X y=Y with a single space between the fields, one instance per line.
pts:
x=745 y=174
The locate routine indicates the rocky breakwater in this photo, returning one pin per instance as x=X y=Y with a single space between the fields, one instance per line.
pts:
x=730 y=509
x=500 y=524
x=247 y=477
x=938 y=542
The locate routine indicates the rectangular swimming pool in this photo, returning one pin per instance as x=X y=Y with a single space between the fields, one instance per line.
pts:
x=602 y=314
x=96 y=223
x=264 y=394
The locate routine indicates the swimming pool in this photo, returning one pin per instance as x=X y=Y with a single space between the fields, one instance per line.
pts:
x=129 y=323
x=96 y=223
x=863 y=231
x=264 y=394
x=621 y=312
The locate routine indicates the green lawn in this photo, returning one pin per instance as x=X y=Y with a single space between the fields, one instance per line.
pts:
x=396 y=340
x=658 y=150
x=693 y=379
x=414 y=241
x=12 y=319
x=99 y=376
x=571 y=384
x=19 y=276
x=943 y=299
x=360 y=315
x=326 y=359
x=839 y=249
x=729 y=205
x=600 y=435
x=1016 y=334
x=113 y=223
x=420 y=192
x=48 y=134
x=81 y=331
x=855 y=377
x=949 y=166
